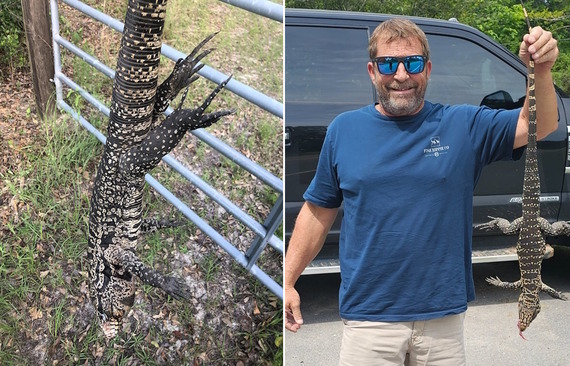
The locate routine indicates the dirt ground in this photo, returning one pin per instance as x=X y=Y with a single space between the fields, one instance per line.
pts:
x=18 y=125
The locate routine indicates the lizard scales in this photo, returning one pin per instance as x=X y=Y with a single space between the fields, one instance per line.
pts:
x=137 y=139
x=531 y=245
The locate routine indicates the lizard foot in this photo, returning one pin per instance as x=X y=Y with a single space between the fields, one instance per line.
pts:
x=183 y=74
x=140 y=159
x=176 y=287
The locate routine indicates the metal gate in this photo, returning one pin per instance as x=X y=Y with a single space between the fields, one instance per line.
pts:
x=264 y=232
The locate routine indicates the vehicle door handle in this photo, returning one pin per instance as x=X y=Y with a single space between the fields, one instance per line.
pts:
x=287 y=137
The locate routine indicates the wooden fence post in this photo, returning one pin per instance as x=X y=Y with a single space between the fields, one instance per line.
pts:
x=38 y=34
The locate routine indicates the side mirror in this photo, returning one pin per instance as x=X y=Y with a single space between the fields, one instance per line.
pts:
x=498 y=100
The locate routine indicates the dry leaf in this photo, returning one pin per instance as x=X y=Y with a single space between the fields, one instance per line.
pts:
x=36 y=313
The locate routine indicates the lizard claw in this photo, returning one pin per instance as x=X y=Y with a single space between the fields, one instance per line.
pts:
x=183 y=97
x=488 y=225
x=494 y=281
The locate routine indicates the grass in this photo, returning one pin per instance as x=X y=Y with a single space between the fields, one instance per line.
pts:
x=47 y=317
x=210 y=265
x=46 y=236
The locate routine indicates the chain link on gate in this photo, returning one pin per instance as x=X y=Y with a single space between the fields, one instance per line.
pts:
x=265 y=232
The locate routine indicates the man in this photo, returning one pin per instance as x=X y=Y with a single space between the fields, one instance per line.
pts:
x=405 y=244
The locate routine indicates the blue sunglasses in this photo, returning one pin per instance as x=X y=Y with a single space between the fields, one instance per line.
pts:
x=389 y=65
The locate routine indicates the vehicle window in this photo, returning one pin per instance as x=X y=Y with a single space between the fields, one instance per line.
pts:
x=465 y=73
x=326 y=75
x=326 y=71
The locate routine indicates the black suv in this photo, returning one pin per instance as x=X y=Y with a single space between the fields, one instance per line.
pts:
x=325 y=67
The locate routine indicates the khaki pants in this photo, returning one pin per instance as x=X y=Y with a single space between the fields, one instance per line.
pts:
x=429 y=343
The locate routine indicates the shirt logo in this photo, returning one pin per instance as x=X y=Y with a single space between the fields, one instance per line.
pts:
x=435 y=141
x=435 y=149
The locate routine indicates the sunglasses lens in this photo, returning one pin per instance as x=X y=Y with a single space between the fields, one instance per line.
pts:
x=389 y=65
x=414 y=65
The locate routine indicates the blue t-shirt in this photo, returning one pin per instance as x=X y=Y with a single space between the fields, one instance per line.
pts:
x=407 y=188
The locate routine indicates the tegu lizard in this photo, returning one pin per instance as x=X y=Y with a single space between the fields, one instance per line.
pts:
x=137 y=139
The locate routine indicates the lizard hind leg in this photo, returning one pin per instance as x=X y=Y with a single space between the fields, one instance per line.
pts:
x=141 y=158
x=183 y=74
x=504 y=225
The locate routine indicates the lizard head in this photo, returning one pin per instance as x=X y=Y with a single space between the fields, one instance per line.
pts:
x=528 y=310
x=110 y=327
x=111 y=320
x=113 y=301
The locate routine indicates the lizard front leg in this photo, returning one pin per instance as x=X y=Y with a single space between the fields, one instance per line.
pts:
x=552 y=292
x=151 y=225
x=495 y=281
x=128 y=260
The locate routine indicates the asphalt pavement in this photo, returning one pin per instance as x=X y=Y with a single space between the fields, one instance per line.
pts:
x=491 y=334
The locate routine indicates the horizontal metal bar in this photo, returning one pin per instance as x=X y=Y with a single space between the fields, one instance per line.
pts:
x=197 y=220
x=88 y=126
x=84 y=93
x=215 y=236
x=238 y=88
x=96 y=14
x=91 y=60
x=223 y=201
x=267 y=281
x=241 y=160
x=237 y=157
x=261 y=7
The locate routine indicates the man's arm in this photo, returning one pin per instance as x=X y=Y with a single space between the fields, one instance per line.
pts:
x=544 y=50
x=307 y=239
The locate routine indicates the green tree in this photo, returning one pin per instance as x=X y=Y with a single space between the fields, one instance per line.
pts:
x=12 y=47
x=499 y=19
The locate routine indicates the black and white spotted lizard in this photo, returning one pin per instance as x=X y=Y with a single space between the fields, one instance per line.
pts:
x=531 y=245
x=137 y=139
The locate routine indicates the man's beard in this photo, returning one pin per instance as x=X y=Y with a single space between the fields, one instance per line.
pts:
x=401 y=106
